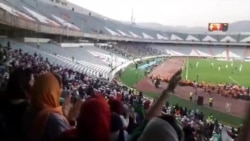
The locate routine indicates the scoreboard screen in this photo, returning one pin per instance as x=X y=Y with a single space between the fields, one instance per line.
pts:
x=218 y=27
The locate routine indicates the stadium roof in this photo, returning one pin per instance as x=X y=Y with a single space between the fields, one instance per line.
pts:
x=48 y=14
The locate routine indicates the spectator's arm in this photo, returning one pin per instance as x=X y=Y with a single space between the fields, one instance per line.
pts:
x=138 y=131
x=156 y=108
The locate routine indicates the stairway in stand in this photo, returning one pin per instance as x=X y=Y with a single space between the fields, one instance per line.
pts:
x=227 y=53
x=246 y=52
x=211 y=51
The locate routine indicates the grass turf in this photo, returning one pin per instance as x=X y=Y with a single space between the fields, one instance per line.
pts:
x=229 y=72
x=131 y=76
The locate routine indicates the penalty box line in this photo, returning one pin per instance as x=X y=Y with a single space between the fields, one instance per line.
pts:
x=234 y=80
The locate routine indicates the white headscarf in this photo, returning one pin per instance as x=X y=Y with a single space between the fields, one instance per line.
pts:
x=158 y=130
x=225 y=136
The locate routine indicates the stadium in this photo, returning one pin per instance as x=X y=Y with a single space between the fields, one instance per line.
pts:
x=215 y=66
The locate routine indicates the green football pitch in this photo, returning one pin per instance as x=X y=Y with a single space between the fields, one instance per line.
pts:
x=215 y=71
x=131 y=76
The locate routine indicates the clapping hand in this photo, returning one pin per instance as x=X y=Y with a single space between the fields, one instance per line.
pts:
x=71 y=111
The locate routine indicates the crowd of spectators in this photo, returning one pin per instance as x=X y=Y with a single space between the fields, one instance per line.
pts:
x=132 y=50
x=224 y=89
x=46 y=102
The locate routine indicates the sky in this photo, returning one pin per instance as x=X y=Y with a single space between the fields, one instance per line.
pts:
x=171 y=12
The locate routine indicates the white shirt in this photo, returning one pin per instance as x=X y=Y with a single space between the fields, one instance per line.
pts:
x=125 y=121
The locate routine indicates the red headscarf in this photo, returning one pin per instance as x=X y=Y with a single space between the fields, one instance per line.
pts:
x=93 y=123
x=116 y=106
x=119 y=96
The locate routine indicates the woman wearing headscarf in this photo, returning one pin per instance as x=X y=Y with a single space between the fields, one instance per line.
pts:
x=15 y=102
x=44 y=121
x=93 y=123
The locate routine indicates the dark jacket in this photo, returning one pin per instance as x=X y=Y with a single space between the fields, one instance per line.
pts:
x=13 y=116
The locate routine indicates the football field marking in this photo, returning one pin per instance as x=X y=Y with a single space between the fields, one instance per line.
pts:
x=234 y=80
x=187 y=69
x=132 y=69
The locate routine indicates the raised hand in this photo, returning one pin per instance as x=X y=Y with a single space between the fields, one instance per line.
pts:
x=75 y=110
x=66 y=105
x=175 y=79
x=70 y=110
x=156 y=108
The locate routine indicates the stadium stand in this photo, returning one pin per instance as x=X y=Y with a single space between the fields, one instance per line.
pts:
x=80 y=86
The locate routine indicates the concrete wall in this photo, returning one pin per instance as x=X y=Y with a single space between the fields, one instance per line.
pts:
x=76 y=44
x=112 y=74
x=35 y=40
